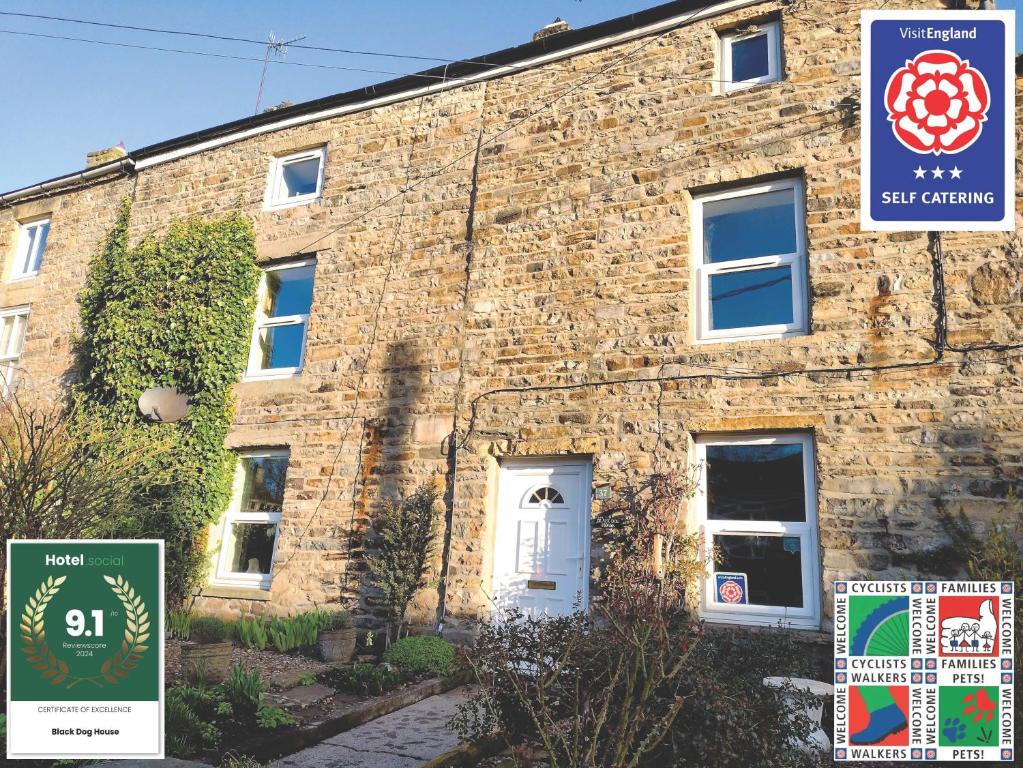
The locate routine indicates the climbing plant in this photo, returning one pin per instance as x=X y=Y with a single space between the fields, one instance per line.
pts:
x=172 y=310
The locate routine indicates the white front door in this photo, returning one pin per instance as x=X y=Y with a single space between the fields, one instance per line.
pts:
x=541 y=548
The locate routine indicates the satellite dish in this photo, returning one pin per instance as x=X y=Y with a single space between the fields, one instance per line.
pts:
x=163 y=404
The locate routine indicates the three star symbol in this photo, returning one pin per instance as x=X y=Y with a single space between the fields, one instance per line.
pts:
x=938 y=172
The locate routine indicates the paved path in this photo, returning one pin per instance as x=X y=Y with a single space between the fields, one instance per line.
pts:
x=402 y=739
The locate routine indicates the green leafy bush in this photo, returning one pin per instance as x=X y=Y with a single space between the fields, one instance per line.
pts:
x=407 y=540
x=189 y=713
x=172 y=310
x=367 y=679
x=208 y=629
x=198 y=717
x=422 y=656
x=179 y=624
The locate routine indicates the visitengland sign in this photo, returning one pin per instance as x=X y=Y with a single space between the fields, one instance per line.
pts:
x=85 y=649
x=924 y=671
x=938 y=133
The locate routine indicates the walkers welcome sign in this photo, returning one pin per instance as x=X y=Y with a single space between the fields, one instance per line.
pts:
x=938 y=121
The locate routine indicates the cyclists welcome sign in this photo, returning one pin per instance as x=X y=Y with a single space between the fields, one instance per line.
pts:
x=938 y=121
x=924 y=671
x=85 y=649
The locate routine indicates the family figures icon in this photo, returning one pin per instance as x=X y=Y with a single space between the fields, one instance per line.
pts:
x=970 y=634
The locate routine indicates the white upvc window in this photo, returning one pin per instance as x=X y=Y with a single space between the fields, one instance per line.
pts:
x=282 y=319
x=295 y=179
x=749 y=245
x=28 y=256
x=757 y=509
x=13 y=323
x=750 y=57
x=251 y=524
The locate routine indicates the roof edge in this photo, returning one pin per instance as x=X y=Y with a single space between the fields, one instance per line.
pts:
x=488 y=66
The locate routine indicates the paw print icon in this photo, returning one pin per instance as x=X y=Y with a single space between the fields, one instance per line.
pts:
x=954 y=730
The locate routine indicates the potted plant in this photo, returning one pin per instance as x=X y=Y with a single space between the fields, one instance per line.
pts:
x=207 y=655
x=337 y=639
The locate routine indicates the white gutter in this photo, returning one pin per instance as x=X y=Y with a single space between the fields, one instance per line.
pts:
x=122 y=164
x=495 y=72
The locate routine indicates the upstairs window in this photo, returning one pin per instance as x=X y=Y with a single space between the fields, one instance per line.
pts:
x=750 y=57
x=31 y=244
x=751 y=274
x=249 y=539
x=13 y=323
x=295 y=179
x=282 y=317
x=757 y=509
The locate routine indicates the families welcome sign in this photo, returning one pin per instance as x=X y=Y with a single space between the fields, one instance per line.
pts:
x=938 y=121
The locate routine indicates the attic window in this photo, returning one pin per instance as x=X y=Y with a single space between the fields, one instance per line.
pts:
x=295 y=179
x=751 y=56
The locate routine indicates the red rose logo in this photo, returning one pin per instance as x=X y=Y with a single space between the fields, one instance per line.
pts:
x=937 y=103
x=731 y=592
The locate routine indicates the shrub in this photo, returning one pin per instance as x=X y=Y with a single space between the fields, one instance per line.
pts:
x=336 y=620
x=599 y=689
x=367 y=679
x=208 y=629
x=179 y=624
x=423 y=656
x=188 y=711
x=407 y=541
x=729 y=666
x=200 y=716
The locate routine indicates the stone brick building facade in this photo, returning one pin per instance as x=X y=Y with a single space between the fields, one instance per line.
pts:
x=534 y=294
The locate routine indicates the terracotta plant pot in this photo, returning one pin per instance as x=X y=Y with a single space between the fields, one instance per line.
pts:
x=337 y=644
x=209 y=662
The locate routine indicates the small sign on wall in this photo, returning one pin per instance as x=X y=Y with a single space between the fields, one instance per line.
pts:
x=938 y=128
x=730 y=588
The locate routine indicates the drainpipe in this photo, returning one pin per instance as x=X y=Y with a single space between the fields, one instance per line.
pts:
x=124 y=167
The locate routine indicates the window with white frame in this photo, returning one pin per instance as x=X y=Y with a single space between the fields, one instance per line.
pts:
x=751 y=273
x=757 y=509
x=751 y=56
x=28 y=256
x=250 y=527
x=282 y=317
x=295 y=179
x=13 y=323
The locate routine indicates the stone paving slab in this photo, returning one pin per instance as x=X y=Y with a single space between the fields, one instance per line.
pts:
x=402 y=739
x=303 y=695
x=170 y=762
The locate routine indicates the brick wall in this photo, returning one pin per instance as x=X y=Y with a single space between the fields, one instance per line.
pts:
x=574 y=268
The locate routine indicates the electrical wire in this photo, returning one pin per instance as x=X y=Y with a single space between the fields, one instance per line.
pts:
x=476 y=62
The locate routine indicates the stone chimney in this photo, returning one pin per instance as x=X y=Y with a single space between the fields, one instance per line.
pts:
x=100 y=156
x=556 y=27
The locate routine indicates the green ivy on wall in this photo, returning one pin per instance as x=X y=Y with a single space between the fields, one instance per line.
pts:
x=175 y=310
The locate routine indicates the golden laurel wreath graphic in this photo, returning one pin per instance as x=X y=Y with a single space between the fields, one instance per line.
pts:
x=135 y=634
x=33 y=632
x=114 y=669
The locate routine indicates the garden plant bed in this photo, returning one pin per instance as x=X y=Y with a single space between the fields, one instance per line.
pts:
x=274 y=667
x=329 y=717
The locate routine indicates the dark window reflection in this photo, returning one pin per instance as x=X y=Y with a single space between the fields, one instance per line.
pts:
x=749 y=58
x=755 y=482
x=252 y=546
x=749 y=226
x=773 y=570
x=264 y=483
x=751 y=298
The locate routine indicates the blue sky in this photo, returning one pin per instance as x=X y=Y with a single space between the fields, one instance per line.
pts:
x=76 y=97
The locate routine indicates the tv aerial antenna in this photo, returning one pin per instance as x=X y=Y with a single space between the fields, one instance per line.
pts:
x=278 y=49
